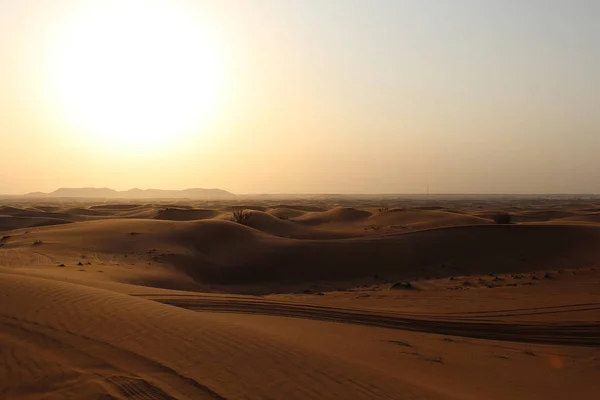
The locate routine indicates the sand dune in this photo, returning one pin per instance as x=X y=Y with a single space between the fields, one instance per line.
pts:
x=58 y=337
x=338 y=222
x=225 y=253
x=176 y=301
x=336 y=215
x=300 y=207
x=424 y=219
x=93 y=212
x=117 y=207
x=591 y=218
x=272 y=225
x=286 y=212
x=8 y=223
x=178 y=214
x=29 y=213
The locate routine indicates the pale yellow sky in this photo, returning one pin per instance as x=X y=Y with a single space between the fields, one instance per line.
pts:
x=321 y=97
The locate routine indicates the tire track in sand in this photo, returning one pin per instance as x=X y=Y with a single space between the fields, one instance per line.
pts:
x=567 y=333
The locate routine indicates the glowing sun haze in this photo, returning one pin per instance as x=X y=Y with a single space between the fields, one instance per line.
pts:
x=344 y=96
x=135 y=74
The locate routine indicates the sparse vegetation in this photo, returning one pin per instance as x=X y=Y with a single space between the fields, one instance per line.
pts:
x=436 y=359
x=240 y=215
x=402 y=286
x=503 y=219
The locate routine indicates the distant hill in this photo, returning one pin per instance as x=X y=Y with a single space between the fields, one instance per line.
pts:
x=106 y=193
x=84 y=192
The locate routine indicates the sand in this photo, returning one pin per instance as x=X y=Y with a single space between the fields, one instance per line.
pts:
x=314 y=298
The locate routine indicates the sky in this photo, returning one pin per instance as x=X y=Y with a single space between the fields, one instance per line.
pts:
x=312 y=96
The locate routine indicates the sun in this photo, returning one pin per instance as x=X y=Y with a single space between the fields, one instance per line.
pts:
x=136 y=74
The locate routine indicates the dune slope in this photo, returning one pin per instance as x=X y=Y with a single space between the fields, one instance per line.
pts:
x=224 y=253
x=80 y=342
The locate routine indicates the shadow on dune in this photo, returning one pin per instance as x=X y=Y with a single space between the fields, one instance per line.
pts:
x=225 y=256
x=245 y=257
x=8 y=223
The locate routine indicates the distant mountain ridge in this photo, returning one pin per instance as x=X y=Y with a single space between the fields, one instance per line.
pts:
x=107 y=193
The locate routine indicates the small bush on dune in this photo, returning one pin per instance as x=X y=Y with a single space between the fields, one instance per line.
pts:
x=402 y=286
x=502 y=219
x=240 y=215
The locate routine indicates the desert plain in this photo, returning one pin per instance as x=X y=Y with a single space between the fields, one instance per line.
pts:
x=301 y=298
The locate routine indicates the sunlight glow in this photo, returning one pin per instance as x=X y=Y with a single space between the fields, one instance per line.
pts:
x=137 y=75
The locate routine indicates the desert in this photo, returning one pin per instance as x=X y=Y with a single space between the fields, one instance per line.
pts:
x=310 y=200
x=324 y=297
